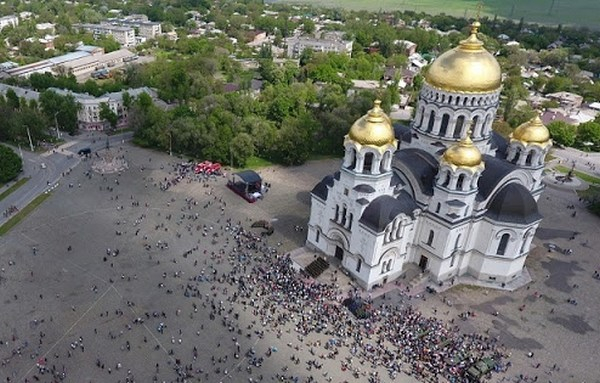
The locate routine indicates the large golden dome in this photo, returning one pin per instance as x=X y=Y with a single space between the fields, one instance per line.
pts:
x=463 y=154
x=374 y=128
x=532 y=132
x=468 y=68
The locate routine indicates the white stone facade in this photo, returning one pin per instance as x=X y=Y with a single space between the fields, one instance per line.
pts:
x=445 y=117
x=413 y=206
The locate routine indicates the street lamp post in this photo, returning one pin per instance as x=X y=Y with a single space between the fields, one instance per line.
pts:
x=30 y=141
x=56 y=125
x=170 y=143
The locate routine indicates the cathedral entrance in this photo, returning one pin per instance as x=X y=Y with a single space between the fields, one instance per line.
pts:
x=423 y=263
x=339 y=253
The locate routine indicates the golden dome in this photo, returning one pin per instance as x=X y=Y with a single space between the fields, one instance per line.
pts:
x=463 y=154
x=468 y=68
x=532 y=132
x=374 y=128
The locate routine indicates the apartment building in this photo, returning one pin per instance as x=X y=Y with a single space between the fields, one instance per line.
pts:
x=298 y=44
x=123 y=35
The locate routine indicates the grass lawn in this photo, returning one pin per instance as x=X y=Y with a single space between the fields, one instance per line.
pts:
x=574 y=12
x=15 y=219
x=14 y=187
x=257 y=163
x=584 y=176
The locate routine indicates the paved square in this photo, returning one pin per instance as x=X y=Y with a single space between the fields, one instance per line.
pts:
x=92 y=315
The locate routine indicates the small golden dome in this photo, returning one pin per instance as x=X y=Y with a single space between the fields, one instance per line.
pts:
x=532 y=131
x=467 y=68
x=463 y=154
x=374 y=128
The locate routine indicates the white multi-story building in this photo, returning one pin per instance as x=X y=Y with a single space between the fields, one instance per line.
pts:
x=145 y=28
x=11 y=20
x=89 y=115
x=447 y=193
x=295 y=46
x=123 y=35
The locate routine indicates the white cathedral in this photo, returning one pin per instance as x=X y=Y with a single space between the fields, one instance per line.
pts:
x=447 y=193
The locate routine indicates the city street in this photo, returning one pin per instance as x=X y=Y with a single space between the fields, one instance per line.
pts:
x=57 y=163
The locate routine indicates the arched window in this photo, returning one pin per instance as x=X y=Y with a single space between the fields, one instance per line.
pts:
x=317 y=235
x=337 y=213
x=450 y=100
x=358 y=265
x=503 y=244
x=350 y=223
x=344 y=212
x=438 y=207
x=517 y=156
x=485 y=125
x=430 y=237
x=422 y=117
x=444 y=126
x=431 y=121
x=368 y=163
x=529 y=158
x=457 y=242
x=447 y=180
x=474 y=128
x=460 y=181
x=525 y=237
x=460 y=122
x=389 y=265
x=384 y=164
x=353 y=159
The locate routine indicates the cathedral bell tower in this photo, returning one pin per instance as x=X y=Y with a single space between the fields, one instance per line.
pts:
x=455 y=186
x=527 y=149
x=369 y=147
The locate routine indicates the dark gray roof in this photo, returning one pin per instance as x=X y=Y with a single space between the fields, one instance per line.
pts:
x=383 y=209
x=396 y=180
x=249 y=176
x=336 y=175
x=362 y=201
x=495 y=170
x=455 y=202
x=403 y=133
x=422 y=165
x=513 y=203
x=364 y=188
x=321 y=189
x=500 y=144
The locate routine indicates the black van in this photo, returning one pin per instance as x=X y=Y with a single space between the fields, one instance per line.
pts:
x=84 y=151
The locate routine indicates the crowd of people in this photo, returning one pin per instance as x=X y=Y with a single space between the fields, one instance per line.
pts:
x=238 y=278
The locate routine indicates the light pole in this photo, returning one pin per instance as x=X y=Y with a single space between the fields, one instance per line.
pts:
x=30 y=141
x=56 y=124
x=170 y=143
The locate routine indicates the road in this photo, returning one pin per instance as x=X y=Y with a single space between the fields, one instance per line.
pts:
x=584 y=161
x=57 y=162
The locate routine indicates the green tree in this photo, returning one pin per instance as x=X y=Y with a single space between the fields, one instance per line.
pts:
x=242 y=148
x=294 y=141
x=562 y=133
x=60 y=110
x=10 y=164
x=108 y=115
x=588 y=136
x=309 y=26
x=558 y=84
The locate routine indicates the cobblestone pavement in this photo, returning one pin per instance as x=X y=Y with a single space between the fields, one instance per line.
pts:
x=68 y=297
